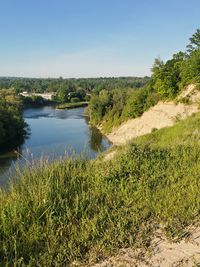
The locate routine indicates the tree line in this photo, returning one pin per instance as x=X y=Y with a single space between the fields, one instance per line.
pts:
x=71 y=90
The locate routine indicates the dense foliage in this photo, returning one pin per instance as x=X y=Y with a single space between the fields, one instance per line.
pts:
x=11 y=122
x=169 y=78
x=72 y=211
x=110 y=108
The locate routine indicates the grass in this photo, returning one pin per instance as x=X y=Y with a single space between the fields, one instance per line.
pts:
x=77 y=211
x=72 y=105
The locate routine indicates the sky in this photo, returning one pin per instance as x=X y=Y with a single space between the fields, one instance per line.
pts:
x=92 y=38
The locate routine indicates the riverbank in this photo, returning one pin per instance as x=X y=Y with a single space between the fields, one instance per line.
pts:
x=72 y=105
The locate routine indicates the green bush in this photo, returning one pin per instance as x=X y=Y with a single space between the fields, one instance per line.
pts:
x=75 y=100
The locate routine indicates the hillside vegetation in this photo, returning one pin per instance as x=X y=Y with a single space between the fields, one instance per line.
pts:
x=163 y=114
x=108 y=109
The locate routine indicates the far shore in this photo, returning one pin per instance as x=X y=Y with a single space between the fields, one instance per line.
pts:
x=72 y=105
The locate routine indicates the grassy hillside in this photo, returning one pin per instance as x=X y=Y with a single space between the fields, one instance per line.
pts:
x=78 y=210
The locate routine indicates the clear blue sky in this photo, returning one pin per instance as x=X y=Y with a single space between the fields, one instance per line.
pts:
x=91 y=38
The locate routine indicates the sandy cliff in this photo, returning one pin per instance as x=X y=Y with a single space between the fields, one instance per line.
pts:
x=162 y=115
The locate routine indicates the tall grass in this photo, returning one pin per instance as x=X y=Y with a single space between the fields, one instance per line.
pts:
x=76 y=211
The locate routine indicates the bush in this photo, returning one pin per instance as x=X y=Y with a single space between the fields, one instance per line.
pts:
x=75 y=100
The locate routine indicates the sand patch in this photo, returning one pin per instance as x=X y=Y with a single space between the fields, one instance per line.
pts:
x=164 y=114
x=163 y=253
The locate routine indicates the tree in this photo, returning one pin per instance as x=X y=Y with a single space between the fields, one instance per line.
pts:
x=194 y=42
x=135 y=104
x=190 y=69
x=166 y=76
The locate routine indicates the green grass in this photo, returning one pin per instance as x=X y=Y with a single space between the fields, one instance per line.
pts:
x=72 y=105
x=75 y=211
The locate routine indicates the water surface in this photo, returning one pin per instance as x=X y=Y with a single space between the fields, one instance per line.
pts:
x=53 y=134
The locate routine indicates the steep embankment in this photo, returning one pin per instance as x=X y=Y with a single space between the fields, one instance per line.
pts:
x=162 y=115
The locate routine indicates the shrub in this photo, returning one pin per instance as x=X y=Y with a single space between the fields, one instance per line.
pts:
x=75 y=100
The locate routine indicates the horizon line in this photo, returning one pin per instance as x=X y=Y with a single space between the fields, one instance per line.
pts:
x=73 y=78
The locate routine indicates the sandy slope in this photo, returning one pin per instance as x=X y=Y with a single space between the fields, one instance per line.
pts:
x=162 y=115
x=162 y=254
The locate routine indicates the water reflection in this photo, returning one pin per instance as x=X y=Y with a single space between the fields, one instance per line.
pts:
x=52 y=133
x=6 y=163
x=96 y=140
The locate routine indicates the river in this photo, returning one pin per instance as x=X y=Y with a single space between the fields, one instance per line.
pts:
x=53 y=134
